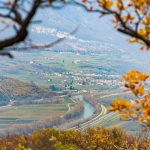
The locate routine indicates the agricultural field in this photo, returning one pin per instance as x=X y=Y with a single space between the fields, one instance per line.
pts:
x=16 y=115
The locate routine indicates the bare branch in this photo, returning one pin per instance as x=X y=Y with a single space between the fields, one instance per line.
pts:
x=22 y=33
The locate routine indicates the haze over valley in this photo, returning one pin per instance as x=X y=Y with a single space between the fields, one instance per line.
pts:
x=71 y=84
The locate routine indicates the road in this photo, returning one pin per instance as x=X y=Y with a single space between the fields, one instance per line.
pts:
x=69 y=108
x=101 y=117
x=96 y=122
x=93 y=121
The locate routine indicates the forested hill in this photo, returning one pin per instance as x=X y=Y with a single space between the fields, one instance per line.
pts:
x=19 y=90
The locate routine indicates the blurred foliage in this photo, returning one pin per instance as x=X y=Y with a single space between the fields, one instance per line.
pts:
x=139 y=108
x=131 y=17
x=89 y=139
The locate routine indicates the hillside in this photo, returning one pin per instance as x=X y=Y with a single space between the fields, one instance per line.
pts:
x=19 y=90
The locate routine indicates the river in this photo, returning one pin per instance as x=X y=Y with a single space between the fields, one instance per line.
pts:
x=88 y=108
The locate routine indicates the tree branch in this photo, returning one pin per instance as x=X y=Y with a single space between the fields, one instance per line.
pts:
x=22 y=33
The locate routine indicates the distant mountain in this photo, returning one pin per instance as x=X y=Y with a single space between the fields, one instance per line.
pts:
x=94 y=34
x=114 y=55
x=58 y=23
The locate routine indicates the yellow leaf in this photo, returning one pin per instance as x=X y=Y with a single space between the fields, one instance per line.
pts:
x=133 y=40
x=109 y=4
